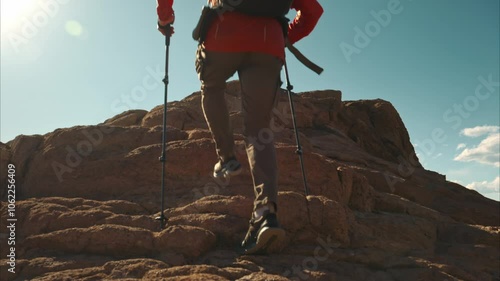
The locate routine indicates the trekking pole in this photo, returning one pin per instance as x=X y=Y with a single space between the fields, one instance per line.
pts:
x=289 y=89
x=162 y=158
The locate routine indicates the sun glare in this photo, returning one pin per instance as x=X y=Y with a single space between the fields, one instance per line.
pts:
x=13 y=11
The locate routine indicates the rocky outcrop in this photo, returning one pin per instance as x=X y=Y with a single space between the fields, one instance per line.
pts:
x=87 y=198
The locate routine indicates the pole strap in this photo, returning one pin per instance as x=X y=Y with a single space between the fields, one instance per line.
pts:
x=305 y=61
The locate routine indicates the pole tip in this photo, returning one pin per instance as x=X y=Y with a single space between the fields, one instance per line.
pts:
x=163 y=220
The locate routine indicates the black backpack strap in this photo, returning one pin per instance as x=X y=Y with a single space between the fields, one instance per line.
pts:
x=208 y=15
x=305 y=61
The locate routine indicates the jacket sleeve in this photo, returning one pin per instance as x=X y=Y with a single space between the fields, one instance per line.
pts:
x=164 y=9
x=308 y=14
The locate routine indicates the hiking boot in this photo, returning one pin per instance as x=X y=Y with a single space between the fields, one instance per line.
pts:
x=264 y=235
x=231 y=167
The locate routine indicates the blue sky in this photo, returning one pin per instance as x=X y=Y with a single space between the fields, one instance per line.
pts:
x=79 y=62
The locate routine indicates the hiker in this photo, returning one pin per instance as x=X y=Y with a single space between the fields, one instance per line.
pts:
x=254 y=47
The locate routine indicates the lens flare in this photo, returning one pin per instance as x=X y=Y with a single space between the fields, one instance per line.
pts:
x=74 y=28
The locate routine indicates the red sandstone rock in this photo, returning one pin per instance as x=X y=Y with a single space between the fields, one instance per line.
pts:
x=88 y=195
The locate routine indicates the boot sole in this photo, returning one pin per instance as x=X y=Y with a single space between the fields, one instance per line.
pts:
x=270 y=240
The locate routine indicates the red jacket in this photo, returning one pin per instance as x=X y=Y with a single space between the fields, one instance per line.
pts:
x=236 y=32
x=164 y=9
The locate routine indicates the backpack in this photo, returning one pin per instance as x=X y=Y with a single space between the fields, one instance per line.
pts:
x=258 y=8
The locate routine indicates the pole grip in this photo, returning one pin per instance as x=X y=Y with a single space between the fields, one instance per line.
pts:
x=167 y=29
x=167 y=38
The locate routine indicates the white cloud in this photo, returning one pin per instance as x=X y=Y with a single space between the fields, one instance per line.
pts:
x=479 y=131
x=487 y=151
x=486 y=187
